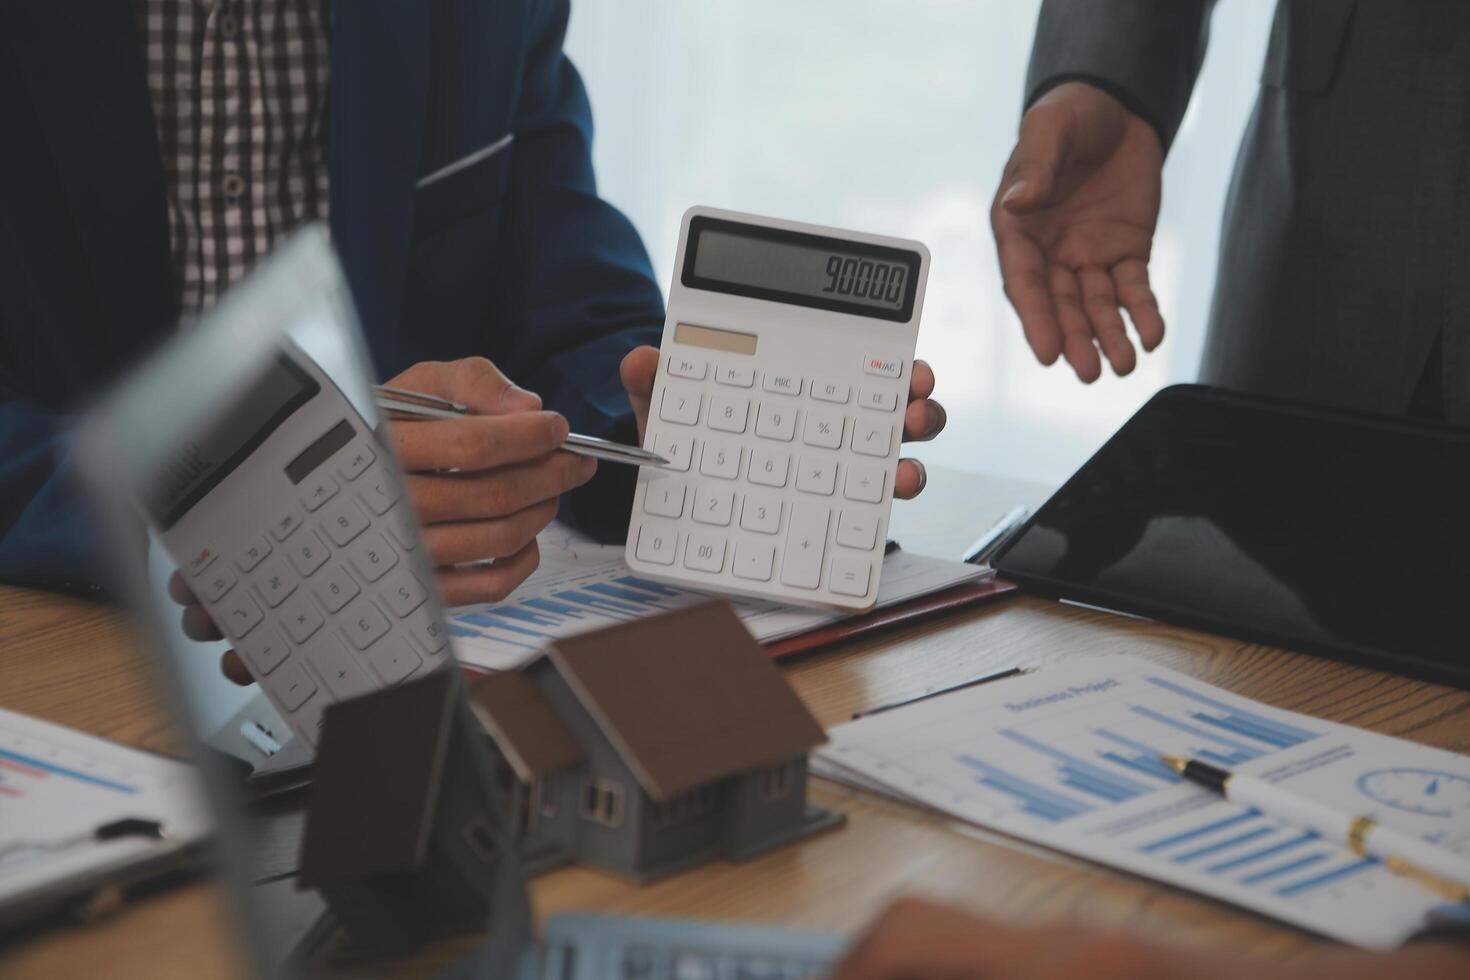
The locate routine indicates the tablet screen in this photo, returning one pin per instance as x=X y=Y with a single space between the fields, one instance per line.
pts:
x=1332 y=533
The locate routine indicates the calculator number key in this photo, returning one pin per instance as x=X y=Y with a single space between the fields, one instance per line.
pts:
x=372 y=556
x=677 y=449
x=768 y=467
x=307 y=554
x=344 y=521
x=427 y=630
x=776 y=421
x=713 y=505
x=657 y=544
x=664 y=497
x=403 y=592
x=761 y=513
x=704 y=551
x=872 y=438
x=364 y=623
x=680 y=407
x=720 y=459
x=728 y=413
x=334 y=588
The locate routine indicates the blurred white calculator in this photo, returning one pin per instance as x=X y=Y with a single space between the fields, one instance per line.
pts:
x=779 y=401
x=266 y=485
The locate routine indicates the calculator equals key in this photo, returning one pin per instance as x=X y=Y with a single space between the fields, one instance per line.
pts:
x=787 y=353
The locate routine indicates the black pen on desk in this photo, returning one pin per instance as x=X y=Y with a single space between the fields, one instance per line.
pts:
x=974 y=682
x=1401 y=853
x=417 y=405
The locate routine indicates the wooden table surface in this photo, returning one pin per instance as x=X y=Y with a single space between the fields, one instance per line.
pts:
x=72 y=662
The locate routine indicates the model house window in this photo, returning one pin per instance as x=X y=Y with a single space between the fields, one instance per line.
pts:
x=602 y=802
x=545 y=792
x=774 y=783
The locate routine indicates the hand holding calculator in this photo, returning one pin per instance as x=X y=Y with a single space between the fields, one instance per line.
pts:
x=786 y=362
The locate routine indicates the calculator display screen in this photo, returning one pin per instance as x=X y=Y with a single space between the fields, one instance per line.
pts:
x=198 y=465
x=806 y=270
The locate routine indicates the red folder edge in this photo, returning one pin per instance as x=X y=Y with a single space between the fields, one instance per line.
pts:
x=920 y=607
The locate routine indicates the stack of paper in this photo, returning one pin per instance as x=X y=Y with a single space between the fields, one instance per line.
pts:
x=1069 y=758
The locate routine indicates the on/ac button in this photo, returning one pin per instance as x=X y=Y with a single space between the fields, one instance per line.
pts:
x=882 y=367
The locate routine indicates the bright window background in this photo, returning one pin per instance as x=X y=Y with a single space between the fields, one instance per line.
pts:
x=896 y=117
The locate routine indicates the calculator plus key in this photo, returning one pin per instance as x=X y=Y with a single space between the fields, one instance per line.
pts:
x=806 y=541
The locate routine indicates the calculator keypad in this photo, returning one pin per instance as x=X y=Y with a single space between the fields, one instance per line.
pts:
x=779 y=481
x=318 y=602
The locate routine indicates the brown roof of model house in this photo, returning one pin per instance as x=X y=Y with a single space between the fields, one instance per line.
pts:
x=524 y=724
x=686 y=698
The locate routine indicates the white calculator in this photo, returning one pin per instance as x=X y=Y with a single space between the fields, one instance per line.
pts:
x=779 y=402
x=269 y=490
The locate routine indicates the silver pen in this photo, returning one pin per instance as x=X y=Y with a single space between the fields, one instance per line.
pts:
x=417 y=405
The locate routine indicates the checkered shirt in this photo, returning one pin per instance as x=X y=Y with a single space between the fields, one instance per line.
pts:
x=239 y=91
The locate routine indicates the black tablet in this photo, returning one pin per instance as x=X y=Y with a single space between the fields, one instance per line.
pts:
x=1333 y=533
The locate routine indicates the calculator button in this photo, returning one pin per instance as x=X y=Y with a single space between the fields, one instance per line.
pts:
x=264 y=651
x=285 y=524
x=657 y=544
x=321 y=489
x=740 y=376
x=768 y=467
x=239 y=616
x=363 y=623
x=720 y=459
x=253 y=553
x=753 y=560
x=850 y=576
x=822 y=429
x=782 y=383
x=205 y=558
x=293 y=686
x=301 y=619
x=403 y=592
x=307 y=720
x=864 y=483
x=857 y=529
x=401 y=526
x=307 y=554
x=728 y=413
x=881 y=399
x=882 y=367
x=334 y=588
x=356 y=460
x=427 y=630
x=680 y=407
x=713 y=505
x=392 y=661
x=776 y=421
x=704 y=551
x=380 y=492
x=761 y=513
x=372 y=557
x=677 y=449
x=806 y=538
x=687 y=367
x=830 y=391
x=275 y=583
x=871 y=438
x=664 y=497
x=343 y=521
x=212 y=587
x=816 y=475
x=341 y=672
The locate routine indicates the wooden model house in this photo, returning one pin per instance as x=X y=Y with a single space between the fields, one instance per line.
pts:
x=654 y=745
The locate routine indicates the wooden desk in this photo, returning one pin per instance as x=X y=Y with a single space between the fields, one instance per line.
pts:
x=71 y=662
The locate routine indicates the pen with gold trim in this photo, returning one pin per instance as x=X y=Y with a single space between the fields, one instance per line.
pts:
x=1444 y=871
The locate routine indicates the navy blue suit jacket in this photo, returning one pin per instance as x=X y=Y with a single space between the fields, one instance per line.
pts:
x=514 y=258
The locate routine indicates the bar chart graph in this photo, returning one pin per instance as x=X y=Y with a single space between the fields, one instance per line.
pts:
x=25 y=760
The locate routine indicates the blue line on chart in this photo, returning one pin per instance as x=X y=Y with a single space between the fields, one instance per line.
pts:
x=552 y=606
x=1289 y=733
x=524 y=615
x=1225 y=845
x=1084 y=775
x=481 y=619
x=1146 y=762
x=654 y=587
x=1297 y=888
x=606 y=607
x=77 y=774
x=1200 y=831
x=1284 y=869
x=1262 y=854
x=1245 y=751
x=1036 y=800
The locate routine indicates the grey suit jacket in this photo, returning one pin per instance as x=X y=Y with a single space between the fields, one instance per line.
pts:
x=1345 y=250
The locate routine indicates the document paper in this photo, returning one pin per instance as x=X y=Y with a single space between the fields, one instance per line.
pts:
x=582 y=585
x=1068 y=757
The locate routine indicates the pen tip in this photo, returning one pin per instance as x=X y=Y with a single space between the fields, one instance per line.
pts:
x=1174 y=762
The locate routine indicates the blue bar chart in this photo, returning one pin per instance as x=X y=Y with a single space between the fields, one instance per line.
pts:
x=1033 y=798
